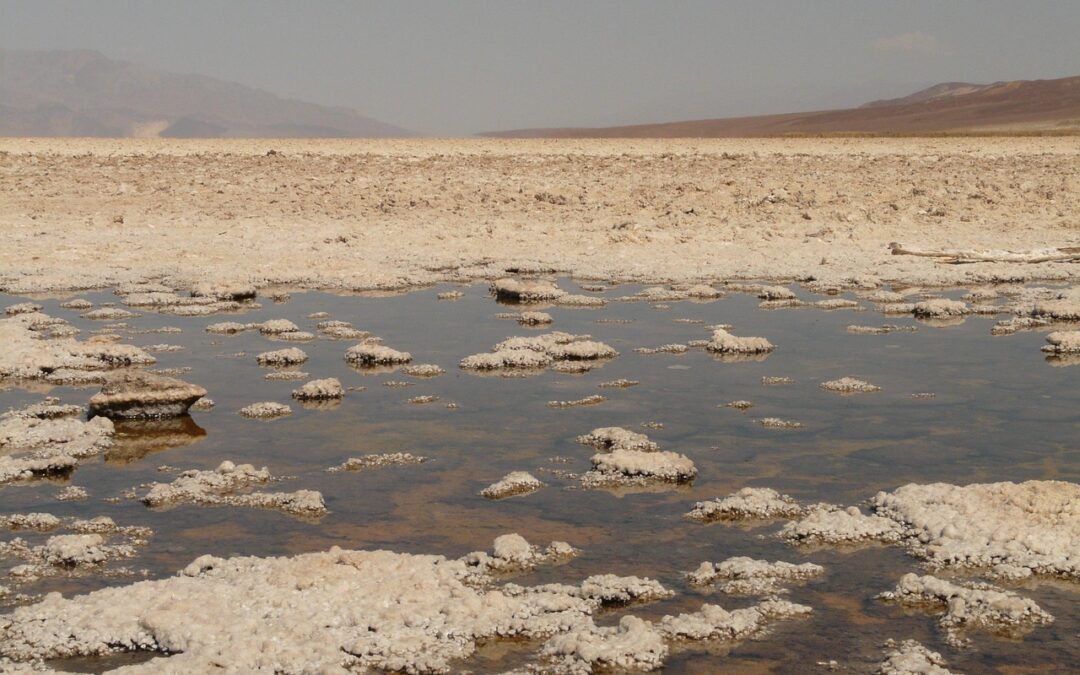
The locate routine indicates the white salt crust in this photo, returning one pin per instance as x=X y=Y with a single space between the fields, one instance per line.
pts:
x=617 y=438
x=849 y=385
x=60 y=360
x=1063 y=342
x=940 y=308
x=969 y=606
x=319 y=390
x=512 y=484
x=747 y=504
x=47 y=439
x=911 y=658
x=282 y=357
x=377 y=461
x=723 y=342
x=265 y=410
x=375 y=355
x=539 y=351
x=747 y=576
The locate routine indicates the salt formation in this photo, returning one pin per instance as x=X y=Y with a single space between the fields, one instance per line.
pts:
x=450 y=295
x=228 y=328
x=277 y=327
x=375 y=355
x=109 y=314
x=773 y=380
x=621 y=383
x=969 y=606
x=539 y=352
x=46 y=439
x=775 y=293
x=423 y=370
x=911 y=658
x=777 y=423
x=224 y=291
x=514 y=483
x=71 y=493
x=849 y=385
x=534 y=318
x=739 y=405
x=76 y=303
x=203 y=404
x=617 y=438
x=1019 y=323
x=22 y=308
x=746 y=576
x=593 y=399
x=265 y=410
x=713 y=622
x=747 y=504
x=319 y=390
x=663 y=349
x=940 y=308
x=1063 y=342
x=629 y=458
x=828 y=524
x=30 y=521
x=884 y=297
x=377 y=461
x=1063 y=306
x=341 y=330
x=723 y=342
x=218 y=487
x=634 y=644
x=286 y=375
x=836 y=303
x=144 y=396
x=62 y=360
x=880 y=330
x=282 y=357
x=525 y=291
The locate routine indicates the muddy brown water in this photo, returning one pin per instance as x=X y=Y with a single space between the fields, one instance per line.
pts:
x=1000 y=412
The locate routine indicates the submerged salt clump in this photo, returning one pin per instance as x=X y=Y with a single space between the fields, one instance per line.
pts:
x=664 y=349
x=747 y=504
x=265 y=410
x=849 y=385
x=638 y=467
x=968 y=606
x=76 y=303
x=319 y=390
x=512 y=484
x=713 y=622
x=593 y=399
x=617 y=438
x=423 y=370
x=229 y=327
x=144 y=396
x=746 y=576
x=723 y=342
x=29 y=521
x=109 y=314
x=282 y=357
x=375 y=355
x=218 y=487
x=911 y=658
x=377 y=461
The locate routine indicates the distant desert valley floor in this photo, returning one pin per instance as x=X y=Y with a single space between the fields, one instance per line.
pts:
x=376 y=214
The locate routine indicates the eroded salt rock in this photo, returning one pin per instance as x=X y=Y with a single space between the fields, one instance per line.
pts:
x=703 y=292
x=634 y=644
x=58 y=360
x=375 y=355
x=224 y=291
x=884 y=297
x=747 y=576
x=940 y=308
x=218 y=487
x=573 y=367
x=421 y=400
x=664 y=349
x=967 y=606
x=203 y=404
x=287 y=375
x=143 y=395
x=277 y=327
x=295 y=336
x=45 y=439
x=836 y=303
x=638 y=467
x=1064 y=307
x=22 y=308
x=747 y=504
x=1019 y=323
x=109 y=314
x=423 y=370
x=723 y=342
x=570 y=300
x=658 y=294
x=880 y=330
x=617 y=438
x=29 y=521
x=377 y=461
x=513 y=483
x=849 y=385
x=593 y=399
x=76 y=303
x=282 y=357
x=534 y=318
x=525 y=290
x=539 y=351
x=229 y=327
x=774 y=380
x=1063 y=342
x=911 y=658
x=265 y=410
x=341 y=330
x=775 y=293
x=319 y=390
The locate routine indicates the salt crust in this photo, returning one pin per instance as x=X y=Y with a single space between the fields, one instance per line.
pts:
x=22 y=308
x=746 y=576
x=513 y=483
x=71 y=493
x=265 y=410
x=740 y=404
x=1063 y=342
x=218 y=487
x=414 y=613
x=664 y=349
x=76 y=303
x=880 y=330
x=525 y=290
x=911 y=658
x=539 y=351
x=723 y=342
x=423 y=370
x=534 y=318
x=143 y=395
x=629 y=458
x=109 y=314
x=621 y=383
x=375 y=355
x=282 y=357
x=46 y=439
x=617 y=438
x=319 y=390
x=377 y=461
x=747 y=504
x=940 y=308
x=286 y=375
x=421 y=400
x=58 y=360
x=849 y=385
x=827 y=524
x=592 y=399
x=777 y=423
x=969 y=605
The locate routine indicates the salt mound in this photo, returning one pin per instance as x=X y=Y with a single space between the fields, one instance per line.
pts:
x=617 y=438
x=525 y=291
x=638 y=467
x=144 y=396
x=723 y=342
x=539 y=351
x=940 y=308
x=423 y=370
x=514 y=483
x=534 y=318
x=969 y=606
x=319 y=390
x=634 y=644
x=46 y=439
x=911 y=658
x=713 y=622
x=747 y=504
x=27 y=356
x=849 y=385
x=375 y=355
x=277 y=327
x=377 y=461
x=282 y=357
x=1063 y=342
x=22 y=308
x=265 y=410
x=747 y=576
x=827 y=524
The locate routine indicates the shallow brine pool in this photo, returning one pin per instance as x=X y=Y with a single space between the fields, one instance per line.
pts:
x=956 y=405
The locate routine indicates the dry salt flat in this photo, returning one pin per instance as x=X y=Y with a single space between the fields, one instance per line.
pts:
x=890 y=530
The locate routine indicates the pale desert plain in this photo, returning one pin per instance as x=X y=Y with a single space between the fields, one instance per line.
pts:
x=925 y=519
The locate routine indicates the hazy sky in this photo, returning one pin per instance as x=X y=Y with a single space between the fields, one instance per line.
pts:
x=457 y=67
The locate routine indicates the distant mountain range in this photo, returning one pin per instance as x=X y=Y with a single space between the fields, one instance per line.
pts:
x=83 y=93
x=1020 y=105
